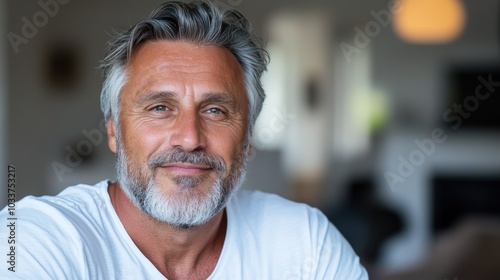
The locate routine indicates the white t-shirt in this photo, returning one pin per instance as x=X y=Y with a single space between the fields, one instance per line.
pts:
x=78 y=235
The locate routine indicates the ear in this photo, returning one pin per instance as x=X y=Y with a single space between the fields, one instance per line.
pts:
x=111 y=135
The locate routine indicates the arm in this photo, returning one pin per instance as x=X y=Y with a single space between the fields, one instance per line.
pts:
x=43 y=243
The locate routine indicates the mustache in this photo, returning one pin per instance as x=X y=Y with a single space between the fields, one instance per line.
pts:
x=177 y=155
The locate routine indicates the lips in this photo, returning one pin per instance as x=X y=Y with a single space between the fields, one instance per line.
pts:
x=186 y=168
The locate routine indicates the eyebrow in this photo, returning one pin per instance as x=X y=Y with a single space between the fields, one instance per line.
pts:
x=215 y=97
x=155 y=96
x=219 y=98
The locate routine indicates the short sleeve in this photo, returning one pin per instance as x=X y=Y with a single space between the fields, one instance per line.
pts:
x=44 y=243
x=335 y=257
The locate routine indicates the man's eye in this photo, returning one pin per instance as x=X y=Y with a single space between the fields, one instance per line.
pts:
x=214 y=111
x=160 y=108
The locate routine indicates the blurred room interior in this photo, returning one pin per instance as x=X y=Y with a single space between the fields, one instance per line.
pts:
x=383 y=114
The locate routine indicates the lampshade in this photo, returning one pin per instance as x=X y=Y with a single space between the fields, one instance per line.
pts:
x=429 y=21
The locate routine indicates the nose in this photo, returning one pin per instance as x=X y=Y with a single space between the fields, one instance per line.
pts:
x=187 y=132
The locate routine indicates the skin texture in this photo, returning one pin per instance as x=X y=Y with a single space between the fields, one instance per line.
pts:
x=187 y=96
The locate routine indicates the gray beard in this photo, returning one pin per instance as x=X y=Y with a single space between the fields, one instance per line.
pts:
x=186 y=207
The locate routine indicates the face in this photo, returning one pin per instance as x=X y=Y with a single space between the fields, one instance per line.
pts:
x=181 y=140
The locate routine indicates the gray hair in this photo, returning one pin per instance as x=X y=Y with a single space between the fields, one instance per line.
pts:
x=199 y=22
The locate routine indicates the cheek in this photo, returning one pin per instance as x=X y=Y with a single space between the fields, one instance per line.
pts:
x=227 y=143
x=141 y=140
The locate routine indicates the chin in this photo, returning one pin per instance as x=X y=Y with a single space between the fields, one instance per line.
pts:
x=190 y=203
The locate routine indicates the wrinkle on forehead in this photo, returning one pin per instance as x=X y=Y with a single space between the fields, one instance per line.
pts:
x=187 y=62
x=185 y=57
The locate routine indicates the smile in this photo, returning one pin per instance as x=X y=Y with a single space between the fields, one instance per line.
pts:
x=186 y=168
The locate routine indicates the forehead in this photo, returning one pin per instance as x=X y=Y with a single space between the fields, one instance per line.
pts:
x=158 y=64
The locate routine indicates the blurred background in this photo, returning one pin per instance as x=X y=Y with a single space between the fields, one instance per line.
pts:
x=383 y=114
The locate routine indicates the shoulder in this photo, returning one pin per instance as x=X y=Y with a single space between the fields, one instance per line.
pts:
x=70 y=208
x=78 y=196
x=265 y=201
x=298 y=235
x=67 y=205
x=259 y=207
x=50 y=228
x=74 y=215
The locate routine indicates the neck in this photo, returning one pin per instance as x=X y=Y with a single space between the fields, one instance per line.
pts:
x=177 y=253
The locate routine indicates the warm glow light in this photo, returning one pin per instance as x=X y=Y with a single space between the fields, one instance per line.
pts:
x=429 y=21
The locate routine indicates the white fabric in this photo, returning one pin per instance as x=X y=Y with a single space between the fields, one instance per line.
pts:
x=78 y=235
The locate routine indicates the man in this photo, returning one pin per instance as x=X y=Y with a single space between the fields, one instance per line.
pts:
x=181 y=97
